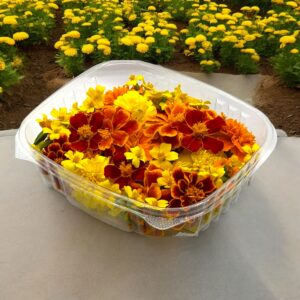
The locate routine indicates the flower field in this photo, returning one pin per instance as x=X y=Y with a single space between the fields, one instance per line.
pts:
x=212 y=34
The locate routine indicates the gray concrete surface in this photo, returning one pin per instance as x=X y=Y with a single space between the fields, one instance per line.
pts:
x=51 y=250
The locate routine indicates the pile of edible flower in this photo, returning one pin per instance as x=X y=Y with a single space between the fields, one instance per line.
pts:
x=165 y=149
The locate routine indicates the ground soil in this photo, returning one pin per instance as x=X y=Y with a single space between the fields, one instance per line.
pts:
x=42 y=76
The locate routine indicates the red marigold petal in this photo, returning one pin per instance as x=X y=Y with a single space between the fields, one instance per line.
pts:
x=178 y=174
x=112 y=172
x=79 y=146
x=74 y=136
x=167 y=130
x=120 y=118
x=151 y=130
x=66 y=146
x=154 y=191
x=78 y=120
x=122 y=181
x=183 y=185
x=120 y=137
x=138 y=174
x=175 y=192
x=166 y=194
x=94 y=142
x=208 y=185
x=215 y=124
x=194 y=116
x=96 y=121
x=174 y=141
x=152 y=176
x=183 y=127
x=54 y=147
x=62 y=139
x=212 y=144
x=174 y=203
x=190 y=143
x=130 y=127
x=104 y=144
x=52 y=155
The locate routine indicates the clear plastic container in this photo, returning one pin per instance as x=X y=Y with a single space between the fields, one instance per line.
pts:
x=122 y=212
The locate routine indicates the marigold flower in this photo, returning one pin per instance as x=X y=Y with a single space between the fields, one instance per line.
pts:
x=73 y=161
x=136 y=155
x=56 y=130
x=2 y=64
x=10 y=20
x=70 y=52
x=202 y=132
x=294 y=51
x=87 y=48
x=142 y=48
x=189 y=188
x=20 y=36
x=163 y=156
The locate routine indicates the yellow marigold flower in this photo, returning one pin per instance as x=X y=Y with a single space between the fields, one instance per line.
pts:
x=138 y=105
x=221 y=27
x=70 y=52
x=248 y=50
x=58 y=44
x=117 y=28
x=1 y=90
x=10 y=20
x=132 y=17
x=76 y=20
x=157 y=203
x=17 y=61
x=294 y=51
x=106 y=50
x=255 y=8
x=249 y=37
x=56 y=129
x=132 y=193
x=103 y=41
x=2 y=65
x=200 y=38
x=136 y=154
x=184 y=31
x=230 y=38
x=255 y=57
x=126 y=41
x=28 y=13
x=287 y=39
x=94 y=99
x=292 y=4
x=150 y=40
x=86 y=24
x=190 y=41
x=166 y=180
x=162 y=156
x=87 y=48
x=207 y=62
x=73 y=34
x=152 y=8
x=164 y=32
x=61 y=115
x=250 y=150
x=7 y=40
x=20 y=36
x=142 y=48
x=207 y=45
x=73 y=161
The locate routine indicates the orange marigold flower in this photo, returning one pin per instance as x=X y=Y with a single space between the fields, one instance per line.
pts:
x=112 y=95
x=236 y=136
x=189 y=188
x=202 y=131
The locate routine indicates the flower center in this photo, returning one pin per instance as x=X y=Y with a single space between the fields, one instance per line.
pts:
x=193 y=193
x=85 y=132
x=105 y=133
x=126 y=170
x=199 y=129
